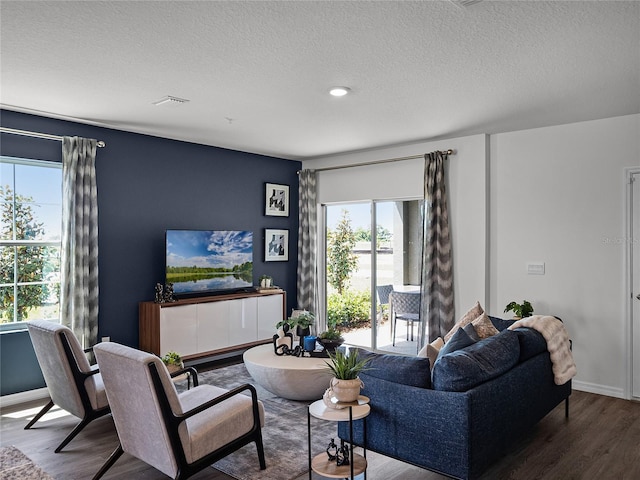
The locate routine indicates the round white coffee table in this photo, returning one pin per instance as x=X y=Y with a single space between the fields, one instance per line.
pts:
x=295 y=378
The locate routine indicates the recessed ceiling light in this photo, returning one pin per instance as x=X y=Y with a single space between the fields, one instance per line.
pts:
x=339 y=91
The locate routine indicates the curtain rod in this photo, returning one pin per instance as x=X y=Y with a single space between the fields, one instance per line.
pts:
x=388 y=160
x=46 y=136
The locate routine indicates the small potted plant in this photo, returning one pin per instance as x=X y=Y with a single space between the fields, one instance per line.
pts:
x=266 y=281
x=520 y=310
x=331 y=339
x=301 y=321
x=345 y=385
x=173 y=361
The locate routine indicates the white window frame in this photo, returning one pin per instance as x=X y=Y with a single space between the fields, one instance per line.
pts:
x=16 y=325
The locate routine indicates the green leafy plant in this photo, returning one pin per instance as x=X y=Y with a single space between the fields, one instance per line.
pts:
x=172 y=358
x=341 y=260
x=303 y=320
x=351 y=309
x=522 y=310
x=331 y=334
x=346 y=367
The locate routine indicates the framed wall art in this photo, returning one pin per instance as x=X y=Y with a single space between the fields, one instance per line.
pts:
x=276 y=245
x=276 y=202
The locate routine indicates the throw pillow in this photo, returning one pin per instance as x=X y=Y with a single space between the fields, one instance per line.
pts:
x=483 y=326
x=431 y=350
x=458 y=341
x=402 y=369
x=467 y=368
x=473 y=313
x=471 y=331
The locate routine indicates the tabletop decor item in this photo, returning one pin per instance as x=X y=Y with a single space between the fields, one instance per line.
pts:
x=331 y=339
x=345 y=385
x=173 y=361
x=520 y=310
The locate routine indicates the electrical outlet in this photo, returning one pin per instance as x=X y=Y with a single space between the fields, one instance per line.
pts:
x=106 y=339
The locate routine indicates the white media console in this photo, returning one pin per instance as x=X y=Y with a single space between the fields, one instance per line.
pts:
x=206 y=326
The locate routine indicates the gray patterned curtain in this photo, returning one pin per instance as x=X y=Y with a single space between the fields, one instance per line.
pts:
x=79 y=269
x=307 y=265
x=436 y=299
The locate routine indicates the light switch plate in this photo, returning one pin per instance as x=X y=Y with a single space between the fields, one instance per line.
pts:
x=535 y=268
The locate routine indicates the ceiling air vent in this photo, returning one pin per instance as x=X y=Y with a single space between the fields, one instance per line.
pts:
x=170 y=101
x=464 y=3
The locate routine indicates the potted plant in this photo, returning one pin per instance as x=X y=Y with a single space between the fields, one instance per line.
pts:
x=301 y=320
x=345 y=384
x=331 y=339
x=266 y=281
x=173 y=361
x=520 y=310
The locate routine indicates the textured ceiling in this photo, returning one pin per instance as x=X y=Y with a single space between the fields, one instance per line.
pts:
x=257 y=73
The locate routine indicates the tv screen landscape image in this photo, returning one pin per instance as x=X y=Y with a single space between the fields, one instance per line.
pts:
x=200 y=262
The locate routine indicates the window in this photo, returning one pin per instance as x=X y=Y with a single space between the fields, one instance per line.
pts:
x=358 y=262
x=30 y=240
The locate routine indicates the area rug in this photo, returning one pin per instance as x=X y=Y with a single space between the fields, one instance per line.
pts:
x=15 y=465
x=284 y=434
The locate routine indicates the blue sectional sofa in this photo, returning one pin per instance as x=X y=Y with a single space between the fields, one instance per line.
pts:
x=468 y=412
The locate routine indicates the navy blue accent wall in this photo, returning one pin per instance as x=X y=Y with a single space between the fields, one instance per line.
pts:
x=147 y=185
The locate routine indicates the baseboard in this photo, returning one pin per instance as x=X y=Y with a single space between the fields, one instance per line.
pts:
x=598 y=389
x=23 y=397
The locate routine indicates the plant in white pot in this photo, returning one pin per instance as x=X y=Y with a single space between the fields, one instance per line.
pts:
x=345 y=385
x=173 y=361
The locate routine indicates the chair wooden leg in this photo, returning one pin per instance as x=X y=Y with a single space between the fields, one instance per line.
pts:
x=73 y=433
x=40 y=414
x=109 y=463
x=260 y=447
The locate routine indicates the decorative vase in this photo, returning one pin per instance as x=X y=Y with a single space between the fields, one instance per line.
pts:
x=330 y=345
x=302 y=332
x=345 y=391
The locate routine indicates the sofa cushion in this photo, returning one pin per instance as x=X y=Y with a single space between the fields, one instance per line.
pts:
x=412 y=371
x=463 y=369
x=473 y=313
x=471 y=331
x=431 y=350
x=459 y=340
x=483 y=326
x=531 y=342
x=500 y=323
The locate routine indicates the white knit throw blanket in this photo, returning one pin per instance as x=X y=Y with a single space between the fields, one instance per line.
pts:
x=558 y=344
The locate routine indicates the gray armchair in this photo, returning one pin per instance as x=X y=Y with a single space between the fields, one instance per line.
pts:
x=74 y=385
x=178 y=434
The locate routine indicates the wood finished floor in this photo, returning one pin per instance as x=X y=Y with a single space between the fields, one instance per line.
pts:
x=600 y=440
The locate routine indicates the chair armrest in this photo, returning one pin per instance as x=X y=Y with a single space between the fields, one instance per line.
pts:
x=222 y=398
x=187 y=370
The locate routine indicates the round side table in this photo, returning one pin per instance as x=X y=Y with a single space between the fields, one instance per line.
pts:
x=357 y=463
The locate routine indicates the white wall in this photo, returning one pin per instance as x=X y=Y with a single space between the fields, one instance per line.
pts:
x=557 y=196
x=467 y=180
x=552 y=195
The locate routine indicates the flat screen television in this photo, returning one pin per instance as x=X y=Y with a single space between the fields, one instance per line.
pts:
x=204 y=262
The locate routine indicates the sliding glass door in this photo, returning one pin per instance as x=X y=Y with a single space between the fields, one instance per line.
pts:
x=361 y=268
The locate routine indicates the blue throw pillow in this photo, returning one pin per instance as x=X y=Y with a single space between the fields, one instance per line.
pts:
x=531 y=342
x=459 y=340
x=463 y=369
x=412 y=371
x=501 y=324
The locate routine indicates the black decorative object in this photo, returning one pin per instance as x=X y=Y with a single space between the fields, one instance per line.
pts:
x=168 y=293
x=342 y=457
x=332 y=451
x=159 y=297
x=286 y=348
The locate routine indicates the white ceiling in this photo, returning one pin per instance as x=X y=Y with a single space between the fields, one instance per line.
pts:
x=419 y=70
